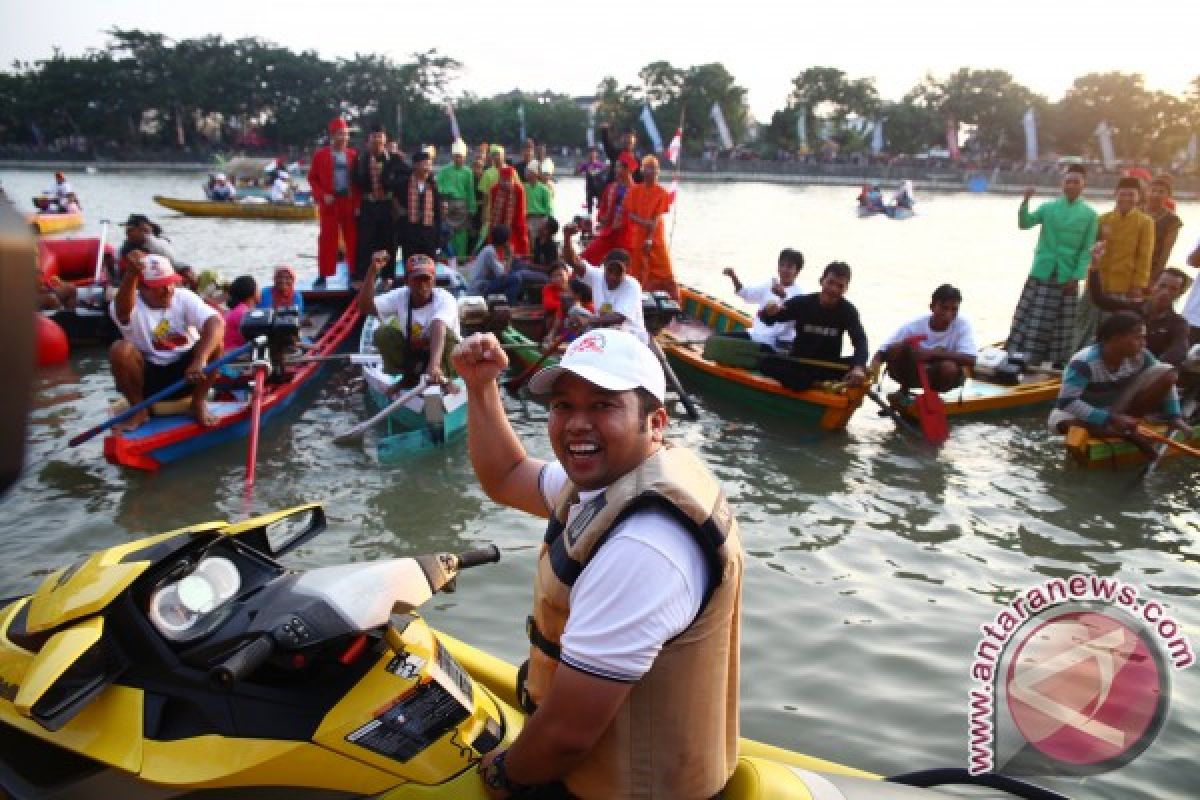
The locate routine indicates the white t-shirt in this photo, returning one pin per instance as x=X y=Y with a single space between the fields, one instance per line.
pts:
x=625 y=300
x=393 y=308
x=279 y=190
x=163 y=335
x=640 y=590
x=1191 y=306
x=957 y=338
x=778 y=334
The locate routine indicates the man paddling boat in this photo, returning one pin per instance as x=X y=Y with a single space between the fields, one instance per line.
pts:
x=941 y=340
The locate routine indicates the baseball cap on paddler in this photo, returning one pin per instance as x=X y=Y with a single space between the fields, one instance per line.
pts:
x=158 y=272
x=609 y=358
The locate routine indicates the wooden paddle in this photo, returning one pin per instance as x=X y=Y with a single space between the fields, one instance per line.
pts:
x=673 y=380
x=353 y=433
x=1154 y=435
x=513 y=385
x=931 y=411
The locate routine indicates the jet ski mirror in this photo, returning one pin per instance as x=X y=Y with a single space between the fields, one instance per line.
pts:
x=280 y=532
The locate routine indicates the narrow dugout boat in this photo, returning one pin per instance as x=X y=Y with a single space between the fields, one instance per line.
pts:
x=1094 y=452
x=250 y=209
x=332 y=318
x=683 y=343
x=43 y=224
x=995 y=385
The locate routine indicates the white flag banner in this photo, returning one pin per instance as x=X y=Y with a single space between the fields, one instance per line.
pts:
x=521 y=117
x=591 y=128
x=1104 y=135
x=877 y=138
x=651 y=128
x=1031 y=142
x=722 y=128
x=455 y=134
x=675 y=147
x=802 y=127
x=1192 y=147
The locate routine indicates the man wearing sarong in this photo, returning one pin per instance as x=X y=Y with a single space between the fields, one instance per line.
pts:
x=645 y=206
x=1044 y=321
x=423 y=218
x=456 y=183
x=539 y=204
x=1124 y=260
x=491 y=176
x=613 y=228
x=336 y=199
x=506 y=206
x=378 y=176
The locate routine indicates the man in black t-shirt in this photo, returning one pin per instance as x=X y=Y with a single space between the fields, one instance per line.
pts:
x=821 y=319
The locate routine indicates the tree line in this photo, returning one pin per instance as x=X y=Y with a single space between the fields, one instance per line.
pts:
x=144 y=92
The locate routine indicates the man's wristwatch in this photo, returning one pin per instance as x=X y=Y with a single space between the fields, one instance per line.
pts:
x=495 y=775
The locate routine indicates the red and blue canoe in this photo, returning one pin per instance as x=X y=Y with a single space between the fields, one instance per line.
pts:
x=162 y=439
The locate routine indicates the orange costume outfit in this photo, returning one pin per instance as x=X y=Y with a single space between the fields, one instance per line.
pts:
x=338 y=215
x=653 y=269
x=507 y=207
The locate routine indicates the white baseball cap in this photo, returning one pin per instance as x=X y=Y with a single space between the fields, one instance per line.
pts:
x=609 y=358
x=158 y=272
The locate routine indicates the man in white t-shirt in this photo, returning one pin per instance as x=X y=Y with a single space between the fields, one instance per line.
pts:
x=281 y=189
x=637 y=594
x=778 y=335
x=941 y=340
x=419 y=322
x=616 y=294
x=169 y=334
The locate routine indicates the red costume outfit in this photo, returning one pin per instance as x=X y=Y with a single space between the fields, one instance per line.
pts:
x=508 y=208
x=614 y=228
x=337 y=209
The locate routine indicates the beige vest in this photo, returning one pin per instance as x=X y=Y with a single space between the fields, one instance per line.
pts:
x=676 y=735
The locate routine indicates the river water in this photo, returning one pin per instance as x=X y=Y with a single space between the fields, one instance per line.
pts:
x=871 y=564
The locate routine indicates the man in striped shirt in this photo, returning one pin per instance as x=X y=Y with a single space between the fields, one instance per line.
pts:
x=1107 y=387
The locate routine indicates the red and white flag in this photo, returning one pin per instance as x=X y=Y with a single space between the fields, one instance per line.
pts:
x=672 y=191
x=675 y=147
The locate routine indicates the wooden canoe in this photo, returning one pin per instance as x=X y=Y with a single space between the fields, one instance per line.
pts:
x=1095 y=452
x=54 y=223
x=163 y=439
x=246 y=210
x=704 y=315
x=978 y=396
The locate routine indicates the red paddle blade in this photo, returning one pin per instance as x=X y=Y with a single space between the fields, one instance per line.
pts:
x=931 y=411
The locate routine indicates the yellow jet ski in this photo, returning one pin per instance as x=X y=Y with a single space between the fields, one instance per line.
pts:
x=193 y=664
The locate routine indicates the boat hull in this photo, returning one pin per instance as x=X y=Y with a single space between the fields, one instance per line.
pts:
x=978 y=396
x=1107 y=452
x=271 y=211
x=54 y=223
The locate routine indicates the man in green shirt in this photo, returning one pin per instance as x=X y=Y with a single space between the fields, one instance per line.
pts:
x=1043 y=324
x=456 y=184
x=539 y=204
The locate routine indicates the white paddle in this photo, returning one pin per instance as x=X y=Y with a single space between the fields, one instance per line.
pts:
x=100 y=252
x=353 y=433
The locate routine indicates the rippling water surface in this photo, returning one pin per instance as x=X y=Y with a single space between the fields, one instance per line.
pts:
x=872 y=563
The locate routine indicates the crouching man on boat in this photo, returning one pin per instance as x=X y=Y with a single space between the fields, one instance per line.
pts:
x=1109 y=386
x=632 y=677
x=942 y=341
x=419 y=322
x=169 y=334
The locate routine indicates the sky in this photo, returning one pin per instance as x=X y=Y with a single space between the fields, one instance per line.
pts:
x=568 y=46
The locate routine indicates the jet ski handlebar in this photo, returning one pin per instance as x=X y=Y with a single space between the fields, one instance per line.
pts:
x=243 y=662
x=476 y=557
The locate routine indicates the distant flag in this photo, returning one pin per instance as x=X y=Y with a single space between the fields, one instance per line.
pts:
x=1192 y=150
x=675 y=147
x=521 y=117
x=952 y=138
x=722 y=127
x=802 y=127
x=1031 y=142
x=591 y=128
x=651 y=128
x=877 y=138
x=672 y=190
x=1104 y=134
x=455 y=134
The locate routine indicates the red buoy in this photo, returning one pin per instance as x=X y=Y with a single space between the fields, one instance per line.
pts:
x=51 y=341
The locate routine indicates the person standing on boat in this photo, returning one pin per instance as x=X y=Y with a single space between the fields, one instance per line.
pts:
x=539 y=203
x=418 y=322
x=336 y=198
x=821 y=318
x=421 y=222
x=169 y=334
x=613 y=153
x=645 y=206
x=1124 y=260
x=1166 y=223
x=632 y=677
x=1109 y=386
x=506 y=206
x=378 y=176
x=1043 y=323
x=613 y=228
x=456 y=183
x=617 y=295
x=593 y=171
x=941 y=340
x=485 y=184
x=783 y=286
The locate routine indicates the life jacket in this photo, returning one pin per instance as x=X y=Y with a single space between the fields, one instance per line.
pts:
x=676 y=735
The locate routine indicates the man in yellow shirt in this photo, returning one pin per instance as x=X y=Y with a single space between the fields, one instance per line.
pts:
x=1128 y=236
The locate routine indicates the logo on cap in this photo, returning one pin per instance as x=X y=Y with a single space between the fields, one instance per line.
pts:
x=592 y=343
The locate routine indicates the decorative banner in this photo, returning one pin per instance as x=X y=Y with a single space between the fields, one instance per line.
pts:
x=672 y=192
x=952 y=138
x=877 y=138
x=1031 y=142
x=455 y=135
x=521 y=116
x=675 y=147
x=802 y=128
x=651 y=128
x=1104 y=135
x=1192 y=147
x=591 y=128
x=722 y=127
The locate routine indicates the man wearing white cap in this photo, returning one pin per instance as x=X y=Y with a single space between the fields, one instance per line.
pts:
x=456 y=184
x=222 y=191
x=169 y=334
x=632 y=677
